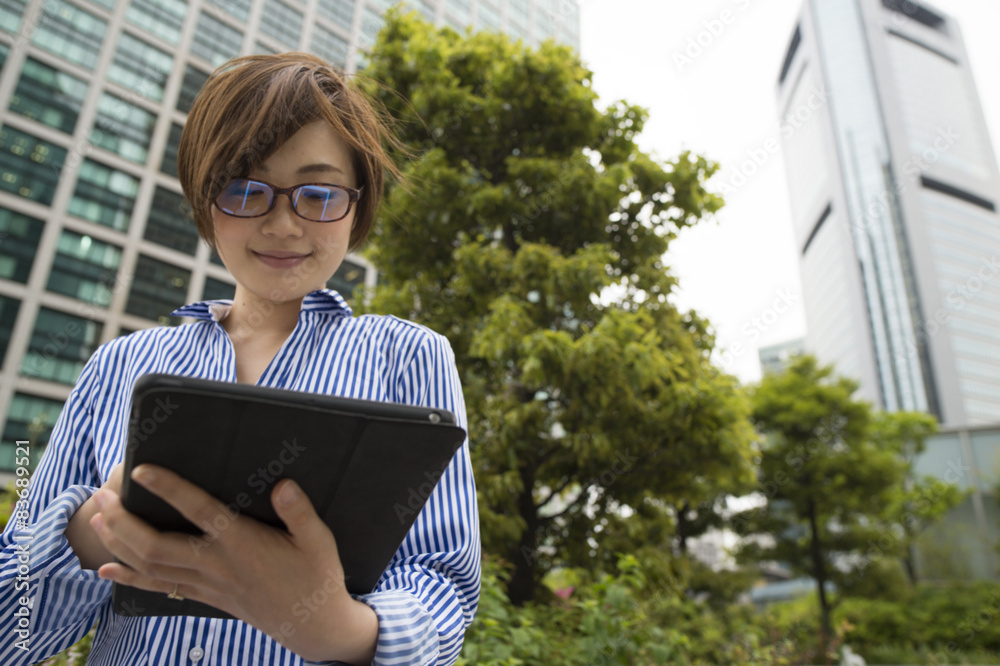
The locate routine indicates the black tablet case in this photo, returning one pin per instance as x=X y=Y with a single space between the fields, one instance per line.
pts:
x=368 y=467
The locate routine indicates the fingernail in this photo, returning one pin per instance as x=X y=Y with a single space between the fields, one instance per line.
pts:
x=289 y=493
x=100 y=499
x=97 y=523
x=143 y=474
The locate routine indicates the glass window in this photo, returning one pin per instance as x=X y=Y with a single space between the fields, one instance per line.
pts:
x=19 y=234
x=236 y=8
x=158 y=289
x=260 y=48
x=170 y=223
x=160 y=18
x=70 y=33
x=123 y=128
x=348 y=277
x=459 y=10
x=29 y=167
x=49 y=96
x=8 y=313
x=30 y=418
x=169 y=163
x=215 y=41
x=60 y=345
x=4 y=49
x=217 y=290
x=193 y=80
x=215 y=258
x=282 y=22
x=518 y=11
x=10 y=15
x=107 y=4
x=428 y=10
x=371 y=24
x=940 y=450
x=986 y=453
x=546 y=27
x=140 y=68
x=340 y=12
x=569 y=18
x=84 y=268
x=329 y=46
x=488 y=17
x=104 y=195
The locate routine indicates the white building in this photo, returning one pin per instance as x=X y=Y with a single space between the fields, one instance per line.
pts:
x=894 y=190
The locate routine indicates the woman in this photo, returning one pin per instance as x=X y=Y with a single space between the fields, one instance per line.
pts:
x=283 y=164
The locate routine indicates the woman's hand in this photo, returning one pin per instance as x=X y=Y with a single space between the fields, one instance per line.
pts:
x=81 y=536
x=290 y=585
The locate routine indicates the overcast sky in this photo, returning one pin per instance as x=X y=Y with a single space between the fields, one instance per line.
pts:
x=722 y=105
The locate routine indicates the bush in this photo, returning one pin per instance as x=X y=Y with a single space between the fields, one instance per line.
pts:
x=954 y=623
x=623 y=619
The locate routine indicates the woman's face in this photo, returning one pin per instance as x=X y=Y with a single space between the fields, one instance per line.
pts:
x=280 y=256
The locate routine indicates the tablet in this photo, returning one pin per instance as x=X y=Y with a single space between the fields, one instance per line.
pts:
x=368 y=467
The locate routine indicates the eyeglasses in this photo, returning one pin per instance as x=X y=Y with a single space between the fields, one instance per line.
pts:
x=317 y=202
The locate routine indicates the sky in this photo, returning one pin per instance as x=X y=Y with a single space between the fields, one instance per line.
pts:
x=741 y=269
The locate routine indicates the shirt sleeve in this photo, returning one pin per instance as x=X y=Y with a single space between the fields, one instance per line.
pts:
x=428 y=595
x=47 y=602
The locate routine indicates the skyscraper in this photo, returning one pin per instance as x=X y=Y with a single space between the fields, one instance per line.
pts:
x=894 y=190
x=94 y=240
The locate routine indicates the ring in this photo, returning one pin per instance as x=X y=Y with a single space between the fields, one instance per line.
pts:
x=174 y=595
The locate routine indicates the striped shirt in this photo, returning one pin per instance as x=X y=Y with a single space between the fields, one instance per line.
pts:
x=425 y=599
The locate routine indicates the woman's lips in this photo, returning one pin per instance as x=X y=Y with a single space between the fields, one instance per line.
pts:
x=281 y=259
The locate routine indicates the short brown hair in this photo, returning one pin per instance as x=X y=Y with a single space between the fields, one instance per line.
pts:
x=251 y=105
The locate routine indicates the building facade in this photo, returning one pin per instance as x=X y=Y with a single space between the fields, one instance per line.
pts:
x=95 y=241
x=894 y=190
x=966 y=543
x=776 y=358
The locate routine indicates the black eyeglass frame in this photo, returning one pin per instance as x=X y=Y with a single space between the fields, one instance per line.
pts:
x=353 y=196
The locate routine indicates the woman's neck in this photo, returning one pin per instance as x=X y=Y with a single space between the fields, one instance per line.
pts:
x=255 y=317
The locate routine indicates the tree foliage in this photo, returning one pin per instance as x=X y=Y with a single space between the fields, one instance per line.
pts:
x=531 y=234
x=840 y=504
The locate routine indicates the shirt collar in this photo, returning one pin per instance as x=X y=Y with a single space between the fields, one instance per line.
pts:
x=323 y=300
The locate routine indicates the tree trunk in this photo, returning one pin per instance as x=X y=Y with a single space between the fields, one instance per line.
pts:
x=819 y=573
x=682 y=527
x=523 y=580
x=911 y=569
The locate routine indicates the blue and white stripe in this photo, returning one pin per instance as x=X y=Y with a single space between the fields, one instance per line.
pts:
x=425 y=599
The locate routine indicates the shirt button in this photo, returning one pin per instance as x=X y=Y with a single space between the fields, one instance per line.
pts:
x=196 y=653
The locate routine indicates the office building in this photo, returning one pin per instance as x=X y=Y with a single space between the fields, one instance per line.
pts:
x=776 y=358
x=94 y=239
x=894 y=190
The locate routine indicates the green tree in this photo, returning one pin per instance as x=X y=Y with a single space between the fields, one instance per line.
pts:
x=920 y=506
x=834 y=474
x=531 y=234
